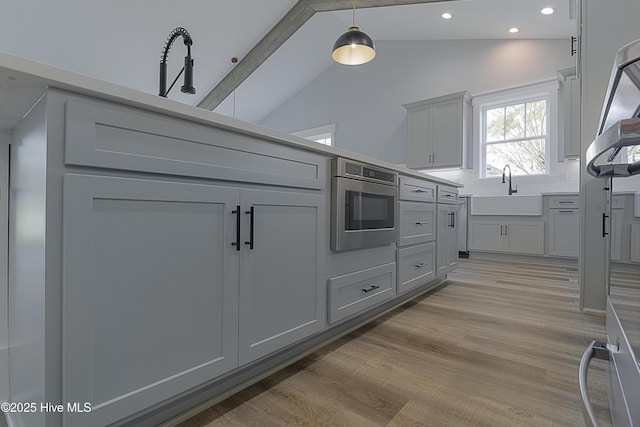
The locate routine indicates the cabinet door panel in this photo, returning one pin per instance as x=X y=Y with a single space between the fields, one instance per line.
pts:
x=447 y=134
x=149 y=291
x=564 y=228
x=617 y=216
x=419 y=138
x=524 y=238
x=485 y=236
x=447 y=239
x=282 y=289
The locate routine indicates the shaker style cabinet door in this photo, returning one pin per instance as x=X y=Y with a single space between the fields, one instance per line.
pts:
x=150 y=301
x=282 y=282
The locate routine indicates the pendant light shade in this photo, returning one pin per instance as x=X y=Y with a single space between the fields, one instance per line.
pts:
x=353 y=47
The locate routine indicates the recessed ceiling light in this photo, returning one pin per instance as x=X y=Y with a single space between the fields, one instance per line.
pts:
x=514 y=29
x=446 y=15
x=547 y=11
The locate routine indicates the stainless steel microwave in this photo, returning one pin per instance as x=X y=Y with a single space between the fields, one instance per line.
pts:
x=363 y=205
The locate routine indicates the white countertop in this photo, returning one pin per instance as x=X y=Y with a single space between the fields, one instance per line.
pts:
x=23 y=82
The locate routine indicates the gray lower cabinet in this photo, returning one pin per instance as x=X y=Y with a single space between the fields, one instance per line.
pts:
x=564 y=231
x=416 y=266
x=617 y=221
x=352 y=293
x=158 y=297
x=417 y=222
x=282 y=279
x=507 y=235
x=447 y=235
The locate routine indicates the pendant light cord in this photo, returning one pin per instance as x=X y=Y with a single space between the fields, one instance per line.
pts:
x=353 y=21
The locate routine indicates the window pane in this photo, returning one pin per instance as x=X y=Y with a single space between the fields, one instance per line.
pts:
x=524 y=157
x=514 y=121
x=495 y=124
x=537 y=118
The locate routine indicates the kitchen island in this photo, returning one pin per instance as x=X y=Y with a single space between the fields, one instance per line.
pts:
x=162 y=255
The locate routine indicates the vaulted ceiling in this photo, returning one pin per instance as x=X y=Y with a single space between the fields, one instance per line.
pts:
x=121 y=41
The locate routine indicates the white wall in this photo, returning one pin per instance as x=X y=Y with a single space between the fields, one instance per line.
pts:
x=365 y=102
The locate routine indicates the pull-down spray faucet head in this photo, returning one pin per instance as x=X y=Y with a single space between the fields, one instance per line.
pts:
x=511 y=190
x=503 y=173
x=188 y=63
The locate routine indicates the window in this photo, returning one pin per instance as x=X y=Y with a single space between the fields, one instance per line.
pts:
x=516 y=134
x=323 y=134
x=516 y=127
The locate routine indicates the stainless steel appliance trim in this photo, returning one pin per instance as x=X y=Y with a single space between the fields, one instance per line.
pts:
x=344 y=240
x=339 y=169
x=596 y=350
x=622 y=134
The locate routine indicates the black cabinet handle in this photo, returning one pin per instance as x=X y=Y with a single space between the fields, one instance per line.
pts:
x=453 y=220
x=370 y=288
x=250 y=242
x=237 y=242
x=604 y=222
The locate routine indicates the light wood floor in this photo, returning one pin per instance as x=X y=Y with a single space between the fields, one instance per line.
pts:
x=498 y=345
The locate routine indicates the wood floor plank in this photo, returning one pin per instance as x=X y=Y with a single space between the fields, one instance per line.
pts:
x=498 y=345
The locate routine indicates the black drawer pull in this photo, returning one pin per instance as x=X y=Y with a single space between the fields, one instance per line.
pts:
x=370 y=288
x=250 y=212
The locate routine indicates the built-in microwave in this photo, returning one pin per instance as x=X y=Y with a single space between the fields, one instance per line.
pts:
x=363 y=205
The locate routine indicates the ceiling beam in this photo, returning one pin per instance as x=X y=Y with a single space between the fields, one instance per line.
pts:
x=297 y=16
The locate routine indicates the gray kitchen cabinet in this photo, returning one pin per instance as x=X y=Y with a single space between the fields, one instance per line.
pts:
x=355 y=292
x=617 y=220
x=447 y=239
x=417 y=222
x=150 y=291
x=438 y=131
x=156 y=271
x=564 y=232
x=282 y=278
x=416 y=266
x=507 y=235
x=634 y=255
x=569 y=114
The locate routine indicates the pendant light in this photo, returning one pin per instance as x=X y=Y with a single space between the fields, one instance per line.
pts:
x=353 y=47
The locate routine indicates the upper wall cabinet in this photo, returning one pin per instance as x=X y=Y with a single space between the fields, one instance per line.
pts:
x=438 y=131
x=569 y=114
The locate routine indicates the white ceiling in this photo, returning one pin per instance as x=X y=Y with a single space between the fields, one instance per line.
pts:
x=121 y=41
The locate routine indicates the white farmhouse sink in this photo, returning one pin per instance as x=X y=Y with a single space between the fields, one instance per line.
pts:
x=526 y=204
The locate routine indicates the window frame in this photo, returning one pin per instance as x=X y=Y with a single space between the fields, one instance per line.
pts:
x=317 y=133
x=547 y=89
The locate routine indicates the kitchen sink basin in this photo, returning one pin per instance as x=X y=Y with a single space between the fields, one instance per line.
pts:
x=526 y=204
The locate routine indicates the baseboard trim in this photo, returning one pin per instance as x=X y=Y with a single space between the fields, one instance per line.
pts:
x=529 y=259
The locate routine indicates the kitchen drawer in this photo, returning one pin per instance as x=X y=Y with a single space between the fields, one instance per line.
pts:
x=417 y=223
x=561 y=202
x=107 y=135
x=618 y=201
x=352 y=293
x=447 y=194
x=416 y=266
x=417 y=189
